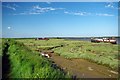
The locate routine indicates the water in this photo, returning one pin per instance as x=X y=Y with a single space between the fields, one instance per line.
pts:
x=118 y=40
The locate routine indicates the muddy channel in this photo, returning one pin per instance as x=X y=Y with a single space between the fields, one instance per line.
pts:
x=82 y=68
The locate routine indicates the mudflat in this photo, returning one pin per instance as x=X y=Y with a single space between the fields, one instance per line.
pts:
x=84 y=69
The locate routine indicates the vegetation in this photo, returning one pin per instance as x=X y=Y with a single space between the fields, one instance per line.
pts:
x=25 y=63
x=0 y=47
x=100 y=53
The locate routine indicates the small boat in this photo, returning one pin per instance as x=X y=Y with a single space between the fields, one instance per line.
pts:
x=97 y=40
x=105 y=40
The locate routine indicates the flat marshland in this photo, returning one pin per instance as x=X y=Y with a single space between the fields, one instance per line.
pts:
x=79 y=58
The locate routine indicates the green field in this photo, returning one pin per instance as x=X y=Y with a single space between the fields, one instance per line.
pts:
x=101 y=53
x=25 y=61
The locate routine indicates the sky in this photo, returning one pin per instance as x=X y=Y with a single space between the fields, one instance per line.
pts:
x=59 y=19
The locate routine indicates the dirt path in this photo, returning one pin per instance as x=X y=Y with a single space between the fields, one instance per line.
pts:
x=82 y=68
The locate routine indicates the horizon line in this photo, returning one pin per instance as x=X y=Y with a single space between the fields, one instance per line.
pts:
x=60 y=37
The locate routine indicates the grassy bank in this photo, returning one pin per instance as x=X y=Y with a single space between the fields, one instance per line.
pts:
x=25 y=63
x=101 y=53
x=0 y=47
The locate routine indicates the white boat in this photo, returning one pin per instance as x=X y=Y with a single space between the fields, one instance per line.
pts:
x=106 y=40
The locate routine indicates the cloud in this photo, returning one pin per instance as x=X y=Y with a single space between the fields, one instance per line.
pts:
x=34 y=13
x=35 y=10
x=48 y=2
x=66 y=12
x=100 y=14
x=12 y=7
x=87 y=14
x=22 y=13
x=77 y=13
x=43 y=9
x=39 y=9
x=112 y=5
x=109 y=5
x=9 y=28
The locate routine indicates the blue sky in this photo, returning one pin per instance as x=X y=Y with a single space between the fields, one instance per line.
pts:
x=59 y=19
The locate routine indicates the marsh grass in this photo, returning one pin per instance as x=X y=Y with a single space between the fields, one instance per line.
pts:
x=26 y=64
x=101 y=53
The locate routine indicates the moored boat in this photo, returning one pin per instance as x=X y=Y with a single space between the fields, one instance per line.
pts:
x=105 y=40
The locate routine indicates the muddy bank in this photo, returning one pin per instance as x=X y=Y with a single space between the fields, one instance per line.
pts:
x=82 y=68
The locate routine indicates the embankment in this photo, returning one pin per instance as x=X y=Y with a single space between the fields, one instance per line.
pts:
x=20 y=62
